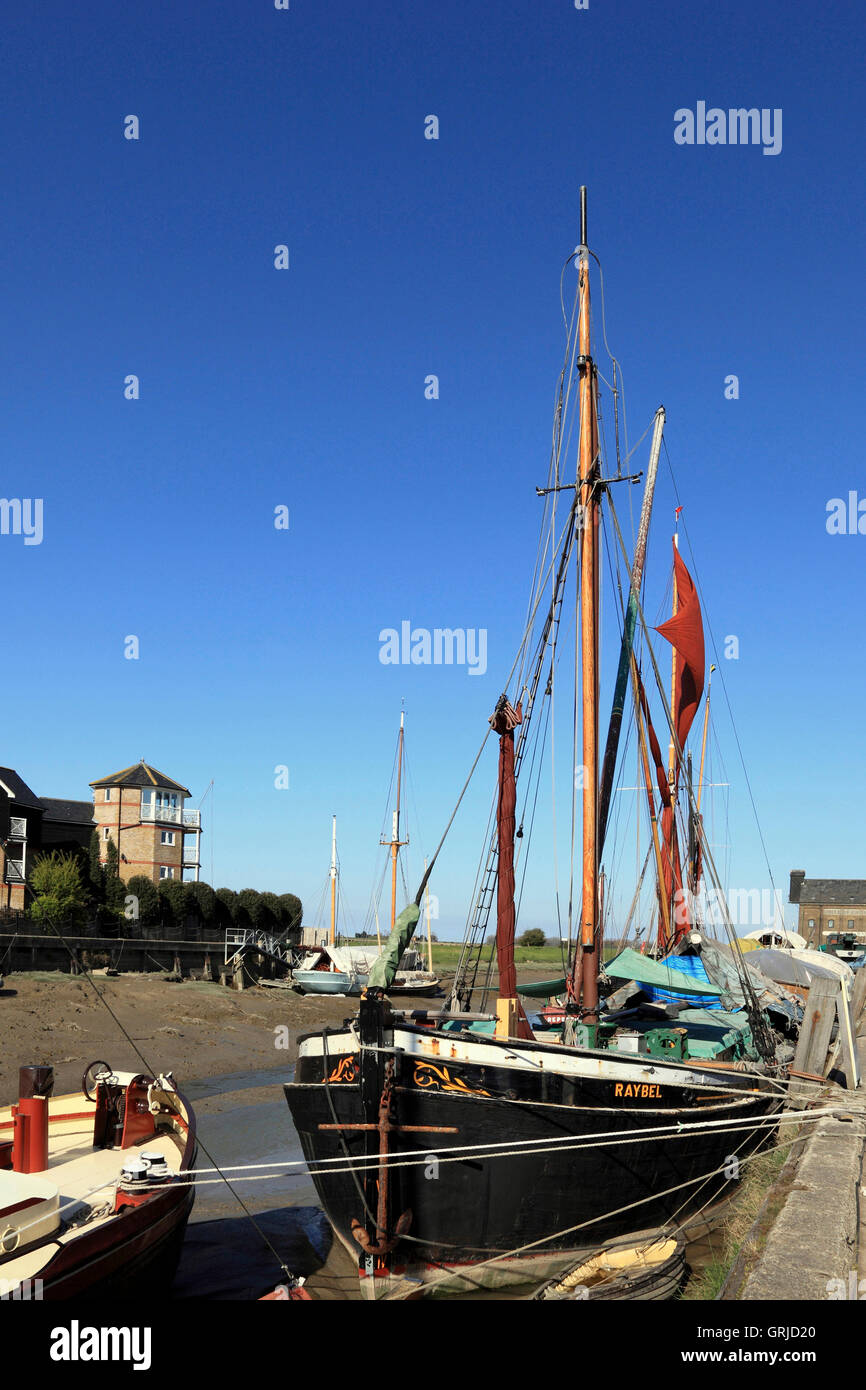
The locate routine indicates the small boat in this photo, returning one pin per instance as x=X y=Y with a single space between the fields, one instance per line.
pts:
x=333 y=970
x=643 y=1273
x=93 y=1201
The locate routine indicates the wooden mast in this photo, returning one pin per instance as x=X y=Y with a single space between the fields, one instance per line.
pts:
x=427 y=909
x=395 y=842
x=704 y=739
x=332 y=935
x=589 y=495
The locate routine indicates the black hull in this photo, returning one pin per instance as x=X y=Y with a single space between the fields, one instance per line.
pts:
x=554 y=1199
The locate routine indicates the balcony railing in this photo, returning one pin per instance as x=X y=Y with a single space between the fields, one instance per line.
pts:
x=190 y=857
x=17 y=828
x=171 y=815
x=14 y=871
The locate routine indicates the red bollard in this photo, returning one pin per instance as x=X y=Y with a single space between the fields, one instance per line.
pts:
x=30 y=1134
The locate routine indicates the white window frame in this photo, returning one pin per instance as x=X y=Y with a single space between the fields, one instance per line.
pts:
x=108 y=793
x=166 y=837
x=106 y=833
x=166 y=871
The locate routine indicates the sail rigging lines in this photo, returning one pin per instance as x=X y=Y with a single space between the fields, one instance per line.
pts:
x=720 y=669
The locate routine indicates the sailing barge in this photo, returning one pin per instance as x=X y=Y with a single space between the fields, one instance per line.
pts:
x=459 y=1149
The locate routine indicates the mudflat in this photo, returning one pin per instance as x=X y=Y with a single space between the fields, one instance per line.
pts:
x=192 y=1028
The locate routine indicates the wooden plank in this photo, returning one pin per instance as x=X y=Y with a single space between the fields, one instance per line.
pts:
x=814 y=1039
x=858 y=998
x=846 y=1037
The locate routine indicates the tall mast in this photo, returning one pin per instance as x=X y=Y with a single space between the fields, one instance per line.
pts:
x=704 y=739
x=429 y=938
x=333 y=932
x=588 y=491
x=608 y=765
x=395 y=842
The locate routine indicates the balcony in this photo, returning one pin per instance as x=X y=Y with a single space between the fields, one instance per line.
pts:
x=190 y=858
x=14 y=871
x=171 y=815
x=17 y=828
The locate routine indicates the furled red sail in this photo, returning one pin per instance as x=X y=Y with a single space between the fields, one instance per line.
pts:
x=672 y=887
x=685 y=632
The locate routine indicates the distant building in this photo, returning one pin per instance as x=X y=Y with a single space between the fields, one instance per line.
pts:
x=142 y=811
x=29 y=825
x=828 y=905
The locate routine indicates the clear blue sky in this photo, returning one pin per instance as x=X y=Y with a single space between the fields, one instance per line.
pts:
x=306 y=388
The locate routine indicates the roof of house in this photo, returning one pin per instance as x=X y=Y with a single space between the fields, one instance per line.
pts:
x=140 y=775
x=73 y=812
x=18 y=789
x=833 y=892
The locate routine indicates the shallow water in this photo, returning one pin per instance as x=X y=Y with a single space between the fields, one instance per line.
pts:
x=225 y=1256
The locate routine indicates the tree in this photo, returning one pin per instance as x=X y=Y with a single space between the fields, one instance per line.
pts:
x=249 y=908
x=61 y=897
x=172 y=900
x=200 y=902
x=94 y=872
x=112 y=910
x=291 y=912
x=146 y=906
x=534 y=937
x=225 y=908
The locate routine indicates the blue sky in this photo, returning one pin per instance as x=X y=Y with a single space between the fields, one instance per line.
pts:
x=305 y=388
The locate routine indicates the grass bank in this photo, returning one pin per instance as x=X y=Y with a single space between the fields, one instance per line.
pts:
x=751 y=1214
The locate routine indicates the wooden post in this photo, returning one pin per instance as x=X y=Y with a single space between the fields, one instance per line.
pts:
x=814 y=1039
x=506 y=1018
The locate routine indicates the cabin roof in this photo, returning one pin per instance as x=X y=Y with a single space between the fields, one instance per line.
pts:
x=140 y=774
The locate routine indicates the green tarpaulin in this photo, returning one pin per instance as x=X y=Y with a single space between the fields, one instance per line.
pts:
x=542 y=989
x=385 y=965
x=631 y=965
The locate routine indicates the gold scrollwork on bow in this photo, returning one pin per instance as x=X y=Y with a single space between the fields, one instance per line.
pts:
x=346 y=1070
x=429 y=1077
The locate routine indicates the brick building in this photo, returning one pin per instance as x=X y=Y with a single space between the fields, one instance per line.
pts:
x=828 y=905
x=30 y=825
x=142 y=811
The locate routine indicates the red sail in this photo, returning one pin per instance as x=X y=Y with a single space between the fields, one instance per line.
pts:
x=685 y=632
x=671 y=865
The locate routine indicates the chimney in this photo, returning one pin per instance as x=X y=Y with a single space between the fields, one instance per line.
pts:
x=797 y=877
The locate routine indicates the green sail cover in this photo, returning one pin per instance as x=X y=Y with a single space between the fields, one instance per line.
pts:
x=631 y=965
x=542 y=989
x=385 y=965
